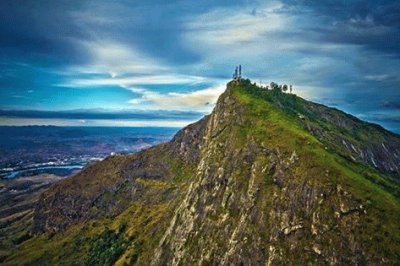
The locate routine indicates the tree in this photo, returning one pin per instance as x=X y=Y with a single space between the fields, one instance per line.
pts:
x=273 y=86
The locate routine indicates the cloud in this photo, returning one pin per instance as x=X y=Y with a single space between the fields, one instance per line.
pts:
x=225 y=26
x=223 y=32
x=125 y=82
x=201 y=100
x=391 y=105
x=375 y=25
x=381 y=77
x=113 y=58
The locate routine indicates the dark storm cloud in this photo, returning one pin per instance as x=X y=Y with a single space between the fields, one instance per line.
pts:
x=374 y=24
x=32 y=30
x=391 y=105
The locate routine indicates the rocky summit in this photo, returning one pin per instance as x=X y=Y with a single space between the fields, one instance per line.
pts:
x=267 y=178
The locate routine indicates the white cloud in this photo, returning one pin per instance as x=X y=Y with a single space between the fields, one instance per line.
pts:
x=225 y=31
x=125 y=82
x=200 y=100
x=116 y=59
x=229 y=26
x=381 y=77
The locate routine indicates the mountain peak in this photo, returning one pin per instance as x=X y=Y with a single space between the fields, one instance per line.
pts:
x=266 y=178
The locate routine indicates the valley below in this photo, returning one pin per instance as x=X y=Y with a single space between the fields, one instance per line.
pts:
x=33 y=158
x=18 y=198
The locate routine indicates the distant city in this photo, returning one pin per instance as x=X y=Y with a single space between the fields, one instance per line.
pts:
x=62 y=151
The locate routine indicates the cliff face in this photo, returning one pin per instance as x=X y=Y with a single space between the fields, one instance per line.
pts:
x=266 y=178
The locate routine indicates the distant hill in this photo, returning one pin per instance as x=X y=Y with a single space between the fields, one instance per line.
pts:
x=267 y=178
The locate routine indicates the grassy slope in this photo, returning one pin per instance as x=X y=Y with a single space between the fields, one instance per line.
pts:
x=380 y=232
x=124 y=239
x=132 y=234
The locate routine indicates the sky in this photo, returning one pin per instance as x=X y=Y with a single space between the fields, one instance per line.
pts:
x=158 y=63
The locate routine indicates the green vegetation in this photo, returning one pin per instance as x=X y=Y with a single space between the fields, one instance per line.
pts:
x=106 y=248
x=285 y=130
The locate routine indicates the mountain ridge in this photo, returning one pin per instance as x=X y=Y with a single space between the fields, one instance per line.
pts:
x=266 y=178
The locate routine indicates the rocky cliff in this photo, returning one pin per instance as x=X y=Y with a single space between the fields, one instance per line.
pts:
x=266 y=179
